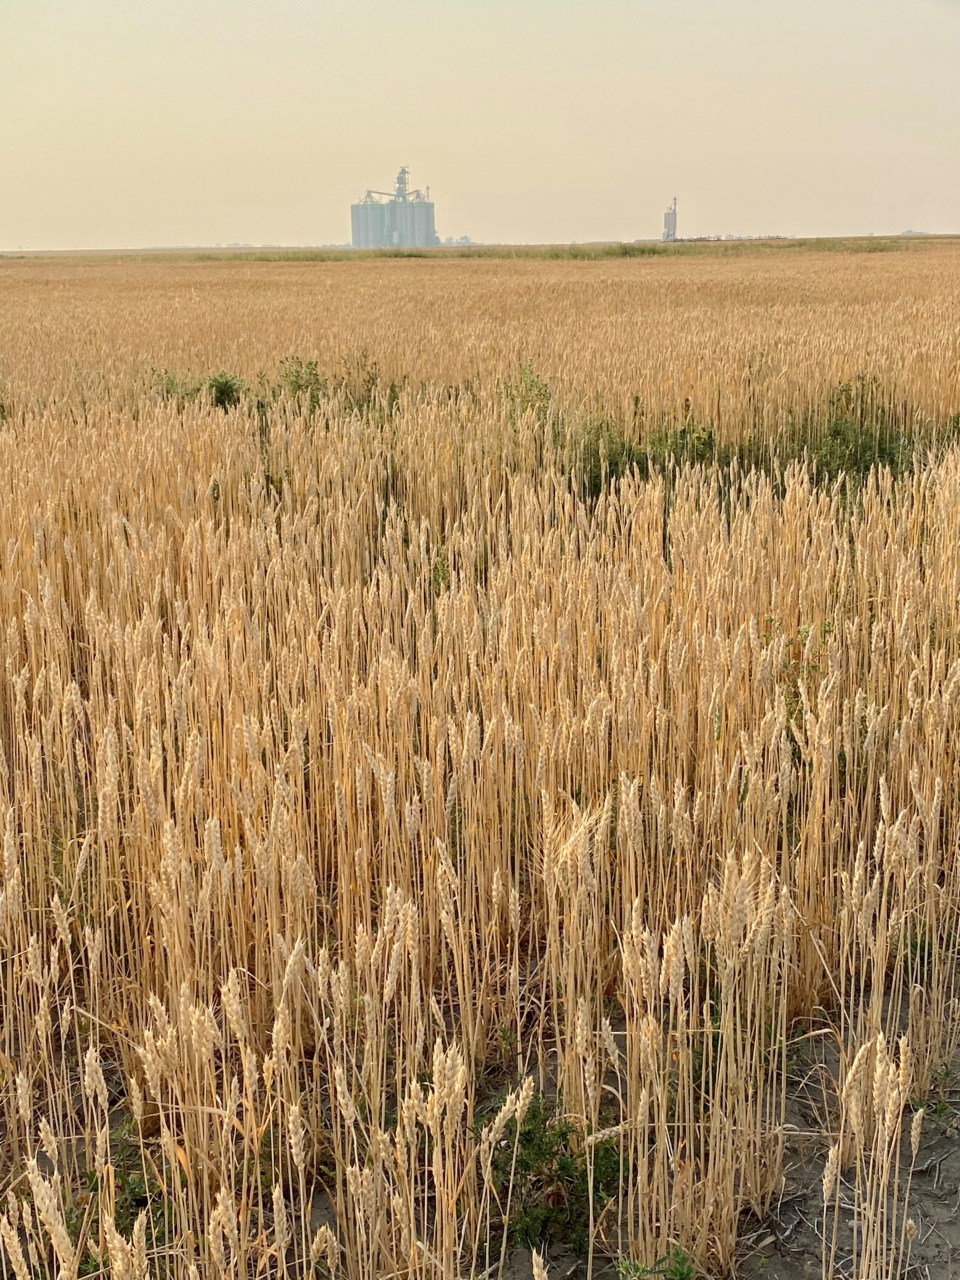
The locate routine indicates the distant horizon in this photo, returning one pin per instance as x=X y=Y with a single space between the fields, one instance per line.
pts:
x=346 y=247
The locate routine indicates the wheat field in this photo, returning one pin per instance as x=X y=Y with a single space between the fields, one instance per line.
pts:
x=480 y=766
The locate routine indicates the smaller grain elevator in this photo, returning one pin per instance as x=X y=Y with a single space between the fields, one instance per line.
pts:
x=670 y=222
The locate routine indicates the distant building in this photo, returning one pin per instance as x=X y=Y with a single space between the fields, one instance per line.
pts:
x=401 y=219
x=670 y=222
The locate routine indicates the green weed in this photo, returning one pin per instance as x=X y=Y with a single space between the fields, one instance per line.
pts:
x=552 y=1193
x=675 y=1265
x=224 y=389
x=301 y=380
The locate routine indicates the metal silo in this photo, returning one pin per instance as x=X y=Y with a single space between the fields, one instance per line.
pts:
x=424 y=228
x=367 y=223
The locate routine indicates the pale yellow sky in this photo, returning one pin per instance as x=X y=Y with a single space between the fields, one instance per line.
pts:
x=125 y=123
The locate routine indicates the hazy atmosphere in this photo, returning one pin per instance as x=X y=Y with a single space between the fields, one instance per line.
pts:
x=135 y=124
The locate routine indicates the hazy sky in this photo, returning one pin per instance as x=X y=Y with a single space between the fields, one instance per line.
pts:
x=149 y=122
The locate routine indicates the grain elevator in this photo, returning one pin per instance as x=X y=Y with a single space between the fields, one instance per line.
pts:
x=401 y=219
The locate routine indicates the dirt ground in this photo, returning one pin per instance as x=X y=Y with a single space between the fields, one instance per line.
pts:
x=788 y=1244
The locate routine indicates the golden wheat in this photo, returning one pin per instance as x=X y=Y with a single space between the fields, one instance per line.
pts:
x=375 y=790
